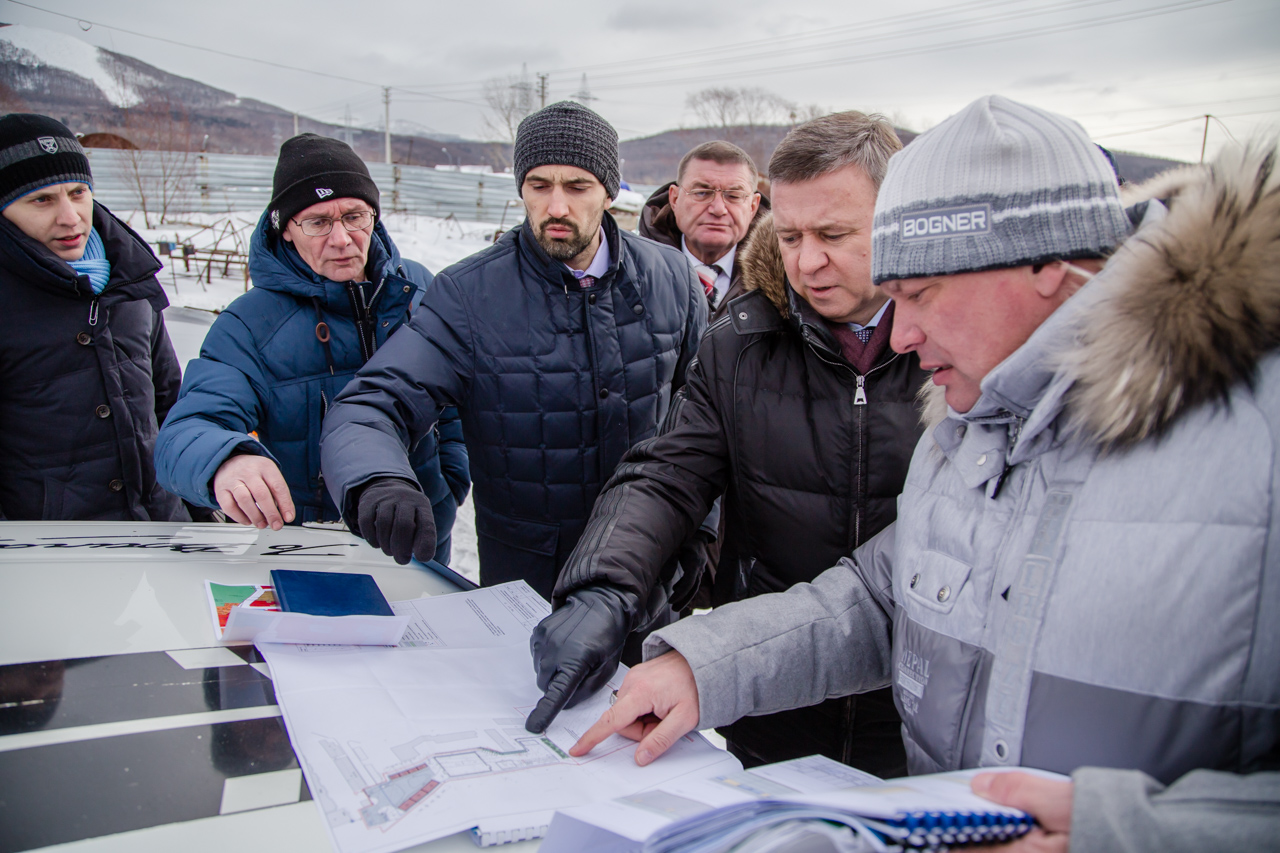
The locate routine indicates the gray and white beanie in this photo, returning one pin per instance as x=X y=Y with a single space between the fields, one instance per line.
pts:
x=998 y=184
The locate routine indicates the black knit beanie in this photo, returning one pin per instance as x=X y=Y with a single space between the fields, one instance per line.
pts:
x=36 y=151
x=568 y=134
x=312 y=169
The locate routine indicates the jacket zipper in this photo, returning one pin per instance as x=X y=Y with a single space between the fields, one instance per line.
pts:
x=859 y=403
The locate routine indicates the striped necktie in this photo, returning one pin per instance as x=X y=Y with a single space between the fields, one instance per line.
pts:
x=707 y=274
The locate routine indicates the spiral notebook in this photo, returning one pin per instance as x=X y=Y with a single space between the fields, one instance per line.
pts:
x=920 y=812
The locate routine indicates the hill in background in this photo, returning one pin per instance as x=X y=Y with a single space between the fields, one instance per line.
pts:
x=653 y=159
x=98 y=91
x=94 y=90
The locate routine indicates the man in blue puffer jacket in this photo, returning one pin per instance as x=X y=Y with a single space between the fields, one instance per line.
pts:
x=329 y=289
x=560 y=345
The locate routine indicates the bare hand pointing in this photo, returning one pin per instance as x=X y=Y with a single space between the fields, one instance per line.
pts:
x=657 y=705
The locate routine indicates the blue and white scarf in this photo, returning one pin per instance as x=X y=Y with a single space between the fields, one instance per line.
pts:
x=94 y=262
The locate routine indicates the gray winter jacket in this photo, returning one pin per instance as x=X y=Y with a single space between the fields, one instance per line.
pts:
x=1081 y=573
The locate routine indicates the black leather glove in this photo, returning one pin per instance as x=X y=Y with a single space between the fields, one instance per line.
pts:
x=394 y=516
x=577 y=648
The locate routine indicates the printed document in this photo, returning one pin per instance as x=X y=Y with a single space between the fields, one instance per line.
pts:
x=406 y=745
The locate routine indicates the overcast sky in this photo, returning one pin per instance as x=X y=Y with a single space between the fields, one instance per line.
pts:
x=1120 y=67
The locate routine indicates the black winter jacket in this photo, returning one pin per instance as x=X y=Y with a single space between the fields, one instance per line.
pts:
x=553 y=383
x=770 y=417
x=85 y=381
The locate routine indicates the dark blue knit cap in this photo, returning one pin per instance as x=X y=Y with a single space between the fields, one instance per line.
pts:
x=37 y=151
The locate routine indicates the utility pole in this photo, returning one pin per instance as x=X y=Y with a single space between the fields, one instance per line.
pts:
x=1205 y=139
x=386 y=101
x=583 y=95
x=295 y=124
x=542 y=88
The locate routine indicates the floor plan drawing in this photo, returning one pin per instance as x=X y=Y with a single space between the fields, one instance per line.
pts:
x=405 y=745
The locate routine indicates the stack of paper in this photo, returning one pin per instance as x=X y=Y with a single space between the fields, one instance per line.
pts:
x=715 y=814
x=405 y=745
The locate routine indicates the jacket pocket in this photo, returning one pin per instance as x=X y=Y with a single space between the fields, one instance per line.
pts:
x=935 y=581
x=521 y=534
x=54 y=494
x=932 y=681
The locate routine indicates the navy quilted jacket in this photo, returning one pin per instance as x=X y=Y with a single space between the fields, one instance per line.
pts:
x=262 y=368
x=554 y=383
x=84 y=382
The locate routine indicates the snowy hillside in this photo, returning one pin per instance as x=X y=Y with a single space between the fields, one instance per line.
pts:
x=45 y=49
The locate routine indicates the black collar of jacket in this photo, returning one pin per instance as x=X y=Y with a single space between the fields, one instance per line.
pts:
x=133 y=266
x=555 y=272
x=753 y=313
x=809 y=324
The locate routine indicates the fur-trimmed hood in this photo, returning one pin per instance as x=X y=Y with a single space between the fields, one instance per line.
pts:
x=1183 y=310
x=762 y=266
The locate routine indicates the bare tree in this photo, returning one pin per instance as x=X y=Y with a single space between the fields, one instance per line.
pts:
x=728 y=107
x=740 y=113
x=161 y=171
x=801 y=113
x=509 y=99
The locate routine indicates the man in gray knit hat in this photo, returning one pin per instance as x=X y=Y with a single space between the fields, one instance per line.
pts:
x=561 y=346
x=1095 y=488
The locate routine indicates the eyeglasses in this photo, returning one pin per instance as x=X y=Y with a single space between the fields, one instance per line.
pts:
x=322 y=225
x=702 y=195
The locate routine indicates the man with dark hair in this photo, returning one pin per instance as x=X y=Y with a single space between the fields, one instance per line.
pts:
x=87 y=371
x=799 y=413
x=1083 y=576
x=707 y=212
x=330 y=288
x=560 y=345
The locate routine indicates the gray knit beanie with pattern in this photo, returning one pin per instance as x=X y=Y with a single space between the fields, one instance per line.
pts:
x=568 y=134
x=999 y=184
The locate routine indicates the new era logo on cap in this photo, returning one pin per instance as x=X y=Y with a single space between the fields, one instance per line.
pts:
x=49 y=144
x=323 y=193
x=947 y=222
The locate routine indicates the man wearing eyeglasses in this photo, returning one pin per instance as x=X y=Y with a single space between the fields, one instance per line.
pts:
x=707 y=212
x=329 y=288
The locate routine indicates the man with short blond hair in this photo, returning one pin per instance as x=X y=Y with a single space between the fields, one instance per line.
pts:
x=561 y=345
x=707 y=212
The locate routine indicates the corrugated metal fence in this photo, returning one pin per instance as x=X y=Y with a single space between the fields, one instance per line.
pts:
x=176 y=183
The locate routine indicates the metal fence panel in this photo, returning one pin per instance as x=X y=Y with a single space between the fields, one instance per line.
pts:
x=176 y=183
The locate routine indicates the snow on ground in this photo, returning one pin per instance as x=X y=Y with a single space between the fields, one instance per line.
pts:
x=434 y=242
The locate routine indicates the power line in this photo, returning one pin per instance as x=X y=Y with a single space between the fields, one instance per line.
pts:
x=79 y=20
x=863 y=38
x=217 y=52
x=973 y=41
x=702 y=58
x=977 y=41
x=1196 y=118
x=1127 y=111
